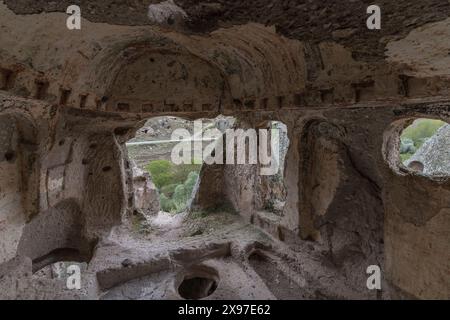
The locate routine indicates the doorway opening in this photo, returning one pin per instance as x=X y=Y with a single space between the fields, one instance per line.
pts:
x=151 y=154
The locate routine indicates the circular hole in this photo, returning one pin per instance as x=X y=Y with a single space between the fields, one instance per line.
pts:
x=416 y=166
x=418 y=146
x=199 y=283
x=197 y=288
x=106 y=169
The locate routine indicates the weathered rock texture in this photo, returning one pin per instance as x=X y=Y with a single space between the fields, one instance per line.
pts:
x=146 y=196
x=434 y=154
x=69 y=101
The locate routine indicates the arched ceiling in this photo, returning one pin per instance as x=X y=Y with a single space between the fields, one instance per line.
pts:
x=305 y=20
x=245 y=65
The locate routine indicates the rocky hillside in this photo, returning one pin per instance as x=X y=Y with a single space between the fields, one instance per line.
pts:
x=152 y=141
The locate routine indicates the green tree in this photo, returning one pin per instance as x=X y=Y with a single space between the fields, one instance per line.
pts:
x=166 y=203
x=421 y=130
x=175 y=183
x=161 y=172
x=179 y=198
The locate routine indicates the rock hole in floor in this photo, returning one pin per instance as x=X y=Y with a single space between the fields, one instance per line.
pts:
x=198 y=284
x=197 y=288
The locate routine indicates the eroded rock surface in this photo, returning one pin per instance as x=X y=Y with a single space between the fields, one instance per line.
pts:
x=146 y=196
x=434 y=154
x=341 y=201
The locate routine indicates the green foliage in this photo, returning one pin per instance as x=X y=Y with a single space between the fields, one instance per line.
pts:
x=169 y=189
x=180 y=198
x=181 y=172
x=175 y=183
x=166 y=203
x=405 y=156
x=421 y=130
x=191 y=181
x=161 y=172
x=414 y=136
x=164 y=173
x=407 y=146
x=183 y=192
